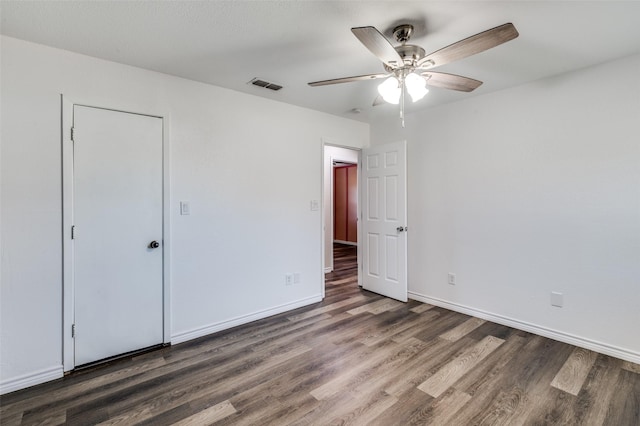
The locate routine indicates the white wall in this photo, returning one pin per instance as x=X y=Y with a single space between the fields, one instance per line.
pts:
x=332 y=153
x=527 y=191
x=249 y=166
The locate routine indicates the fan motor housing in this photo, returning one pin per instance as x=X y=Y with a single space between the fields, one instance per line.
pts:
x=409 y=53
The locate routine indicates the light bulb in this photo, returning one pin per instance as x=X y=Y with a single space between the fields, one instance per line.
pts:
x=416 y=86
x=390 y=90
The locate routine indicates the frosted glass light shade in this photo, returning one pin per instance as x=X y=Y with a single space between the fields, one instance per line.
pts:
x=416 y=86
x=390 y=90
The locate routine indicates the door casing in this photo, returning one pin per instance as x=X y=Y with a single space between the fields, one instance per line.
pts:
x=68 y=317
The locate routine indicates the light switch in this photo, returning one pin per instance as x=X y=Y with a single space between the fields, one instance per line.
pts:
x=315 y=205
x=185 y=209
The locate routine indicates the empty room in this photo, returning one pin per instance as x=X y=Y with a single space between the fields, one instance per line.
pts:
x=320 y=212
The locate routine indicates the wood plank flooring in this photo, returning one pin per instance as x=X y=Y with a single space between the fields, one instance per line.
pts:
x=355 y=358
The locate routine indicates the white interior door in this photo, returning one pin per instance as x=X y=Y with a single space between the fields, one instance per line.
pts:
x=384 y=210
x=117 y=214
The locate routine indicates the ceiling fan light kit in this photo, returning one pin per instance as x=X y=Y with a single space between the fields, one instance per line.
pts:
x=392 y=87
x=390 y=90
x=416 y=86
x=408 y=68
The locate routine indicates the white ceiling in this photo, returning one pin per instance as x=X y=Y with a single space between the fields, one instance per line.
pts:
x=227 y=43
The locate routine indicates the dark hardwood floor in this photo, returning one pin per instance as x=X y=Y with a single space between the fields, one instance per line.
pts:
x=355 y=358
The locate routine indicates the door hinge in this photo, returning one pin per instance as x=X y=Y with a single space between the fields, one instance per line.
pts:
x=73 y=330
x=73 y=232
x=72 y=132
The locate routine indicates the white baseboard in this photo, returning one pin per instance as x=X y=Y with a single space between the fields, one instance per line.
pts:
x=328 y=269
x=31 y=379
x=244 y=319
x=571 y=339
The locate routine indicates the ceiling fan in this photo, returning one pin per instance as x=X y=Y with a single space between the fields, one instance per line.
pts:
x=408 y=68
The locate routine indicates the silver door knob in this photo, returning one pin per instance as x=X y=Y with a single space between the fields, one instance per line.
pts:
x=154 y=244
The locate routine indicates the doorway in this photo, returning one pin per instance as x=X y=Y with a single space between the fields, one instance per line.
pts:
x=114 y=254
x=382 y=216
x=341 y=207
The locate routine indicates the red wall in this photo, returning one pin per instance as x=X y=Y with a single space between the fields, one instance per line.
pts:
x=345 y=203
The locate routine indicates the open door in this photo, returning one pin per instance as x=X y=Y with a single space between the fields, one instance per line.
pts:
x=384 y=225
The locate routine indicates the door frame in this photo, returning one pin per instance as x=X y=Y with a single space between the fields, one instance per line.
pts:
x=330 y=143
x=68 y=285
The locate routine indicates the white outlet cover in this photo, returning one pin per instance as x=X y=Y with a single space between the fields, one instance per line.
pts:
x=452 y=278
x=557 y=299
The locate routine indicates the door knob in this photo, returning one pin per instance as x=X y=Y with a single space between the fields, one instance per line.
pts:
x=400 y=229
x=154 y=244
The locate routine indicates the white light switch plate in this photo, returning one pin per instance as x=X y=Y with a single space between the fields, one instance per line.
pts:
x=314 y=205
x=185 y=208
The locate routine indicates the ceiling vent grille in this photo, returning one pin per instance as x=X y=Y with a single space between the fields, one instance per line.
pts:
x=261 y=83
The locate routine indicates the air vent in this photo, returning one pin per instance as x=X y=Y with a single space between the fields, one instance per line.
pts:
x=261 y=83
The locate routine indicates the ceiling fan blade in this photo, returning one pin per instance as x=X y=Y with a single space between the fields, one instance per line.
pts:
x=451 y=81
x=347 y=79
x=378 y=45
x=470 y=46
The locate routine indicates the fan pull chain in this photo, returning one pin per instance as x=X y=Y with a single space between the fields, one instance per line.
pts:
x=402 y=102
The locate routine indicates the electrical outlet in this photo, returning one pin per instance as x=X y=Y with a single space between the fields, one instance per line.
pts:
x=296 y=278
x=452 y=278
x=288 y=279
x=557 y=299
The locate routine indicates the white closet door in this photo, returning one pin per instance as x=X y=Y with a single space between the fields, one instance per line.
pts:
x=117 y=246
